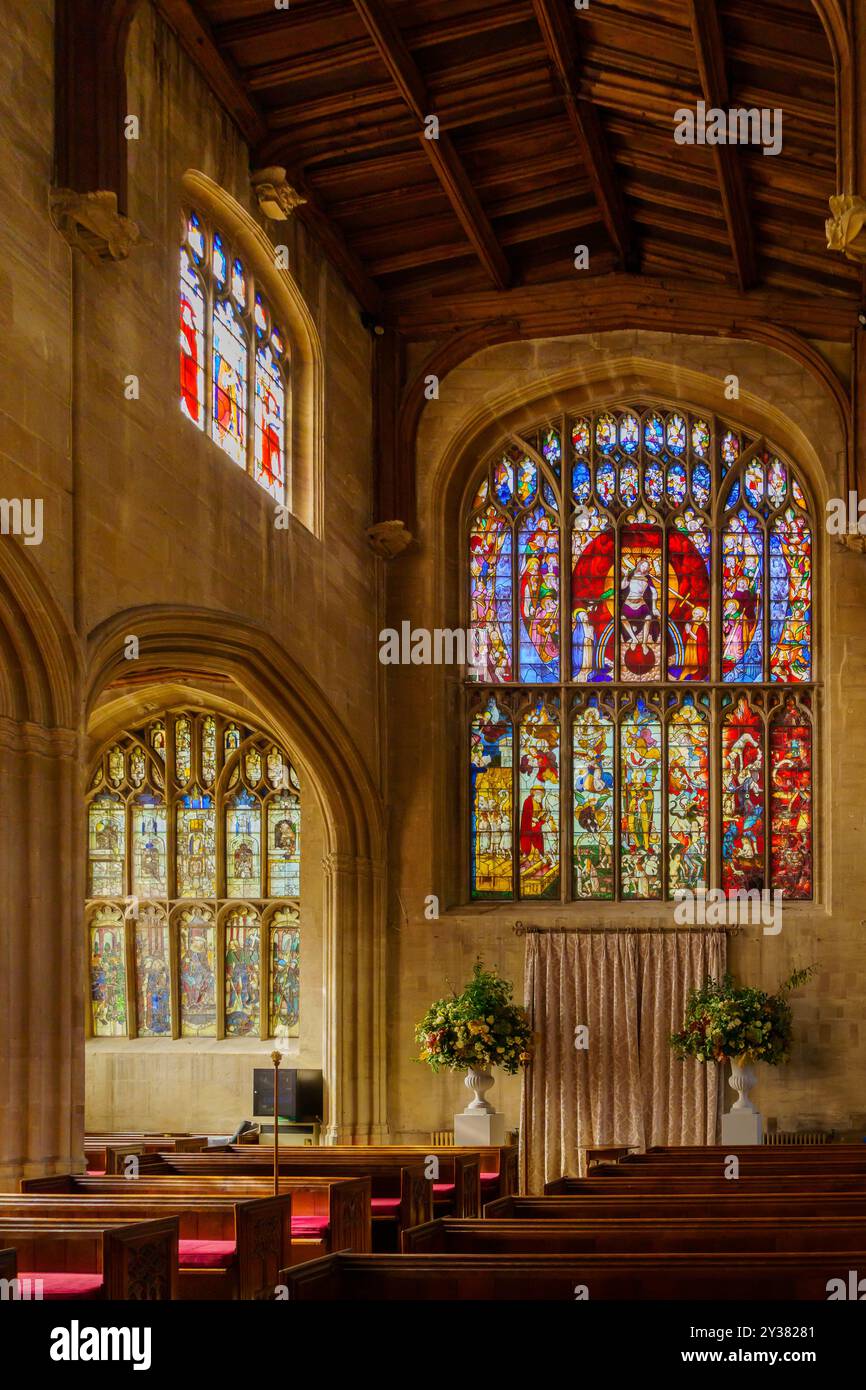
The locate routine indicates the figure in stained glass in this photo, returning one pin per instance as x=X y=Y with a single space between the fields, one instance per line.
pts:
x=491 y=798
x=285 y=981
x=791 y=802
x=108 y=981
x=742 y=799
x=539 y=803
x=639 y=603
x=592 y=769
x=640 y=841
x=539 y=598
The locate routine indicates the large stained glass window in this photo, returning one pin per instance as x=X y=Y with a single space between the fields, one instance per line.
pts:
x=234 y=357
x=641 y=686
x=194 y=853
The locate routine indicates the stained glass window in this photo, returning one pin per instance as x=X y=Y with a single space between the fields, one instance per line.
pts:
x=244 y=390
x=198 y=1009
x=664 y=558
x=539 y=802
x=285 y=974
x=242 y=973
x=153 y=978
x=179 y=830
x=491 y=781
x=108 y=973
x=593 y=771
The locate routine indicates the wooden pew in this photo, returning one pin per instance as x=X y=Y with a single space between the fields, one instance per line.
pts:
x=792 y=1151
x=672 y=1204
x=650 y=1235
x=228 y=1247
x=104 y=1153
x=456 y=1191
x=716 y=1167
x=327 y=1213
x=401 y=1194
x=95 y=1258
x=715 y=1275
x=783 y=1183
x=500 y=1174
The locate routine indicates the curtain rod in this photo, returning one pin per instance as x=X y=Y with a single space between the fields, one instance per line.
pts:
x=520 y=929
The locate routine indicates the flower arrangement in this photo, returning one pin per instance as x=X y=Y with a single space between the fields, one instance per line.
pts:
x=722 y=1021
x=477 y=1029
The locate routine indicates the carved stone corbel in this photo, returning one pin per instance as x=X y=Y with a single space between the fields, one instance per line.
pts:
x=91 y=223
x=855 y=543
x=846 y=229
x=276 y=197
x=388 y=538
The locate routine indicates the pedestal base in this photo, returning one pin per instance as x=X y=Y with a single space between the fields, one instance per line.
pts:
x=481 y=1130
x=742 y=1127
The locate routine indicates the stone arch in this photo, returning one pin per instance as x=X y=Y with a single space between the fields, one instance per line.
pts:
x=306 y=479
x=199 y=645
x=42 y=1047
x=613 y=380
x=40 y=664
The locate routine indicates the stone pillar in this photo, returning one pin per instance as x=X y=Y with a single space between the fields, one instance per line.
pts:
x=354 y=1022
x=42 y=961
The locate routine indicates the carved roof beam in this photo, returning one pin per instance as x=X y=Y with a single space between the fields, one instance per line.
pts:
x=436 y=143
x=710 y=51
x=556 y=23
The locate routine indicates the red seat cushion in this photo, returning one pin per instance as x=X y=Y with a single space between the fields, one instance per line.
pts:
x=443 y=1189
x=490 y=1178
x=386 y=1206
x=205 y=1254
x=95 y=1173
x=65 y=1285
x=310 y=1225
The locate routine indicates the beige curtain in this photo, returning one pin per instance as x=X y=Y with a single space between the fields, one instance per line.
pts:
x=624 y=1086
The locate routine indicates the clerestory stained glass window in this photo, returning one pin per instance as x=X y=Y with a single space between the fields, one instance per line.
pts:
x=641 y=693
x=234 y=357
x=193 y=882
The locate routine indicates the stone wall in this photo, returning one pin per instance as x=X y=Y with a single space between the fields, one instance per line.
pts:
x=142 y=512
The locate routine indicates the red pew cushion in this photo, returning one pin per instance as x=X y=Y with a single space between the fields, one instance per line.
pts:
x=65 y=1285
x=205 y=1254
x=310 y=1225
x=95 y=1173
x=490 y=1178
x=443 y=1189
x=386 y=1206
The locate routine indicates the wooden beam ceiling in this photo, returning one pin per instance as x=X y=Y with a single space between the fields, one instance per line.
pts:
x=710 y=51
x=440 y=151
x=556 y=22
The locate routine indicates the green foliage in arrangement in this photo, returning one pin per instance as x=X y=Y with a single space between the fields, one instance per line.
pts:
x=723 y=1021
x=479 y=1028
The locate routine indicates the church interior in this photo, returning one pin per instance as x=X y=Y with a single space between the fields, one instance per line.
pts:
x=432 y=650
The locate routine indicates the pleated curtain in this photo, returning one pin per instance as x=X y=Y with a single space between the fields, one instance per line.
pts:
x=628 y=991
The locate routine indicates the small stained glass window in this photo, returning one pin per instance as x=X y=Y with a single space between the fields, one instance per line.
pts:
x=243 y=391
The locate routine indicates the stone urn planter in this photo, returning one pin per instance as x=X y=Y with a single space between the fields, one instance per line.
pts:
x=479 y=1082
x=742 y=1079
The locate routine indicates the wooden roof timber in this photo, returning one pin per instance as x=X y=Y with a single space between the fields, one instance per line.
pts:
x=510 y=135
x=440 y=151
x=560 y=40
x=583 y=303
x=709 y=47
